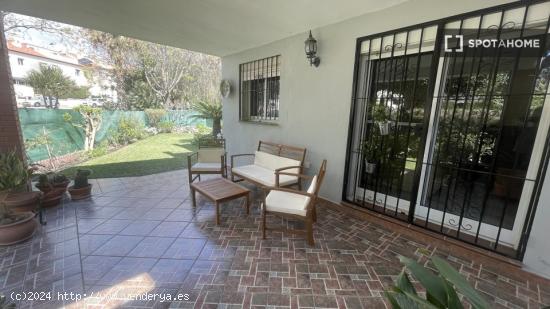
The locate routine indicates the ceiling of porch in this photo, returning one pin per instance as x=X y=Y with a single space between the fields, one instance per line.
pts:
x=217 y=27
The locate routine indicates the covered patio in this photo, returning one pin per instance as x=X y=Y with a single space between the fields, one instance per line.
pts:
x=142 y=235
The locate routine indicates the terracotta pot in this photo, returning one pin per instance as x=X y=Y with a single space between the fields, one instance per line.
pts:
x=16 y=232
x=81 y=193
x=23 y=201
x=47 y=189
x=53 y=197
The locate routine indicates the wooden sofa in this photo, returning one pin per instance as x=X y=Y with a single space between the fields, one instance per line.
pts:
x=270 y=158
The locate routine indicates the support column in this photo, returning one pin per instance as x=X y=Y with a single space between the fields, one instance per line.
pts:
x=11 y=137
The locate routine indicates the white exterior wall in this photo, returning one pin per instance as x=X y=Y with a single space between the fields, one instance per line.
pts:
x=33 y=63
x=102 y=85
x=315 y=102
x=537 y=255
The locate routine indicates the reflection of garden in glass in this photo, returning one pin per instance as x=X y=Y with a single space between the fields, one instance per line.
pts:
x=486 y=130
x=397 y=94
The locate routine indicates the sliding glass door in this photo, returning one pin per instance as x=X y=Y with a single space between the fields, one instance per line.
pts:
x=395 y=76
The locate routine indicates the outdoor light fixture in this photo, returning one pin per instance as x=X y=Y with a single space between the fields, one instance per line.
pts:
x=311 y=50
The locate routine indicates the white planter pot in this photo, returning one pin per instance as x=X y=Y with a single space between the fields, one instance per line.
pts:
x=384 y=127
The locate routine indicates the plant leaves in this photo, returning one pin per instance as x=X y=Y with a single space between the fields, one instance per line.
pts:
x=433 y=284
x=454 y=300
x=449 y=273
x=399 y=300
x=419 y=302
x=404 y=283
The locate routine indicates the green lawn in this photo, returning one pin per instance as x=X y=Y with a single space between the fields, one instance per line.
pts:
x=155 y=154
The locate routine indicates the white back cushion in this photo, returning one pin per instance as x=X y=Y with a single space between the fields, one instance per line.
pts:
x=273 y=162
x=313 y=185
x=210 y=155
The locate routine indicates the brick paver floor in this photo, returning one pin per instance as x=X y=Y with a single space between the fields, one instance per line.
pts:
x=141 y=236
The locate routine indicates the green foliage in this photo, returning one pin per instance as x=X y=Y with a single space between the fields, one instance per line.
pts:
x=90 y=123
x=13 y=172
x=138 y=94
x=129 y=130
x=77 y=92
x=81 y=178
x=50 y=82
x=202 y=132
x=166 y=126
x=210 y=110
x=99 y=150
x=440 y=289
x=47 y=179
x=4 y=304
x=154 y=116
x=13 y=175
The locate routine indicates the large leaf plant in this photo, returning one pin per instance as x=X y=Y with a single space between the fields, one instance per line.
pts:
x=441 y=289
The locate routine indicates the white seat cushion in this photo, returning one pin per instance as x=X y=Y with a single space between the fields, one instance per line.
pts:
x=263 y=175
x=285 y=202
x=206 y=167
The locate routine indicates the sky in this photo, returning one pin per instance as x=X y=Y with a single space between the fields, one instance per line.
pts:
x=47 y=40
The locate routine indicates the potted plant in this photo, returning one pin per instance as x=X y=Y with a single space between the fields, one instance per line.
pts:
x=46 y=182
x=440 y=289
x=368 y=151
x=53 y=186
x=15 y=226
x=4 y=304
x=380 y=115
x=60 y=181
x=81 y=188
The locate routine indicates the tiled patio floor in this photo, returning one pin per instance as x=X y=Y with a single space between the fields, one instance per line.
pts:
x=141 y=235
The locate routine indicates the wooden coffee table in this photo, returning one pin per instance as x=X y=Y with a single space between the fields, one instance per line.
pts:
x=220 y=190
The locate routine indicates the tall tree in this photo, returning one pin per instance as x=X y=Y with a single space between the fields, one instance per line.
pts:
x=164 y=68
x=174 y=77
x=51 y=83
x=20 y=25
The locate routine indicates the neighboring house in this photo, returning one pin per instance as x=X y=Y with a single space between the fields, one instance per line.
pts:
x=25 y=57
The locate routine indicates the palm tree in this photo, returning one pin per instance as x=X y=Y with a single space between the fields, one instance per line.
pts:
x=210 y=110
x=50 y=82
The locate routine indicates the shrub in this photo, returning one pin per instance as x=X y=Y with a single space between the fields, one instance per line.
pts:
x=166 y=126
x=99 y=150
x=201 y=131
x=129 y=130
x=154 y=116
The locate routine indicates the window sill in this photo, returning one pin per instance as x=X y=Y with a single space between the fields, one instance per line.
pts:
x=259 y=122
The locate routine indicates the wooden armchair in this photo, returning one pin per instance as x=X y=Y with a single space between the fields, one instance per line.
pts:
x=210 y=158
x=294 y=204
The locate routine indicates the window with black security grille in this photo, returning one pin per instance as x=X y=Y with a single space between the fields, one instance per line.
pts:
x=259 y=89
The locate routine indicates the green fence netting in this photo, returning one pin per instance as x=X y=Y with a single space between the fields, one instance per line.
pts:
x=66 y=138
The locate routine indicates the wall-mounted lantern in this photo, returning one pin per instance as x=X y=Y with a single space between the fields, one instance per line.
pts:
x=311 y=50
